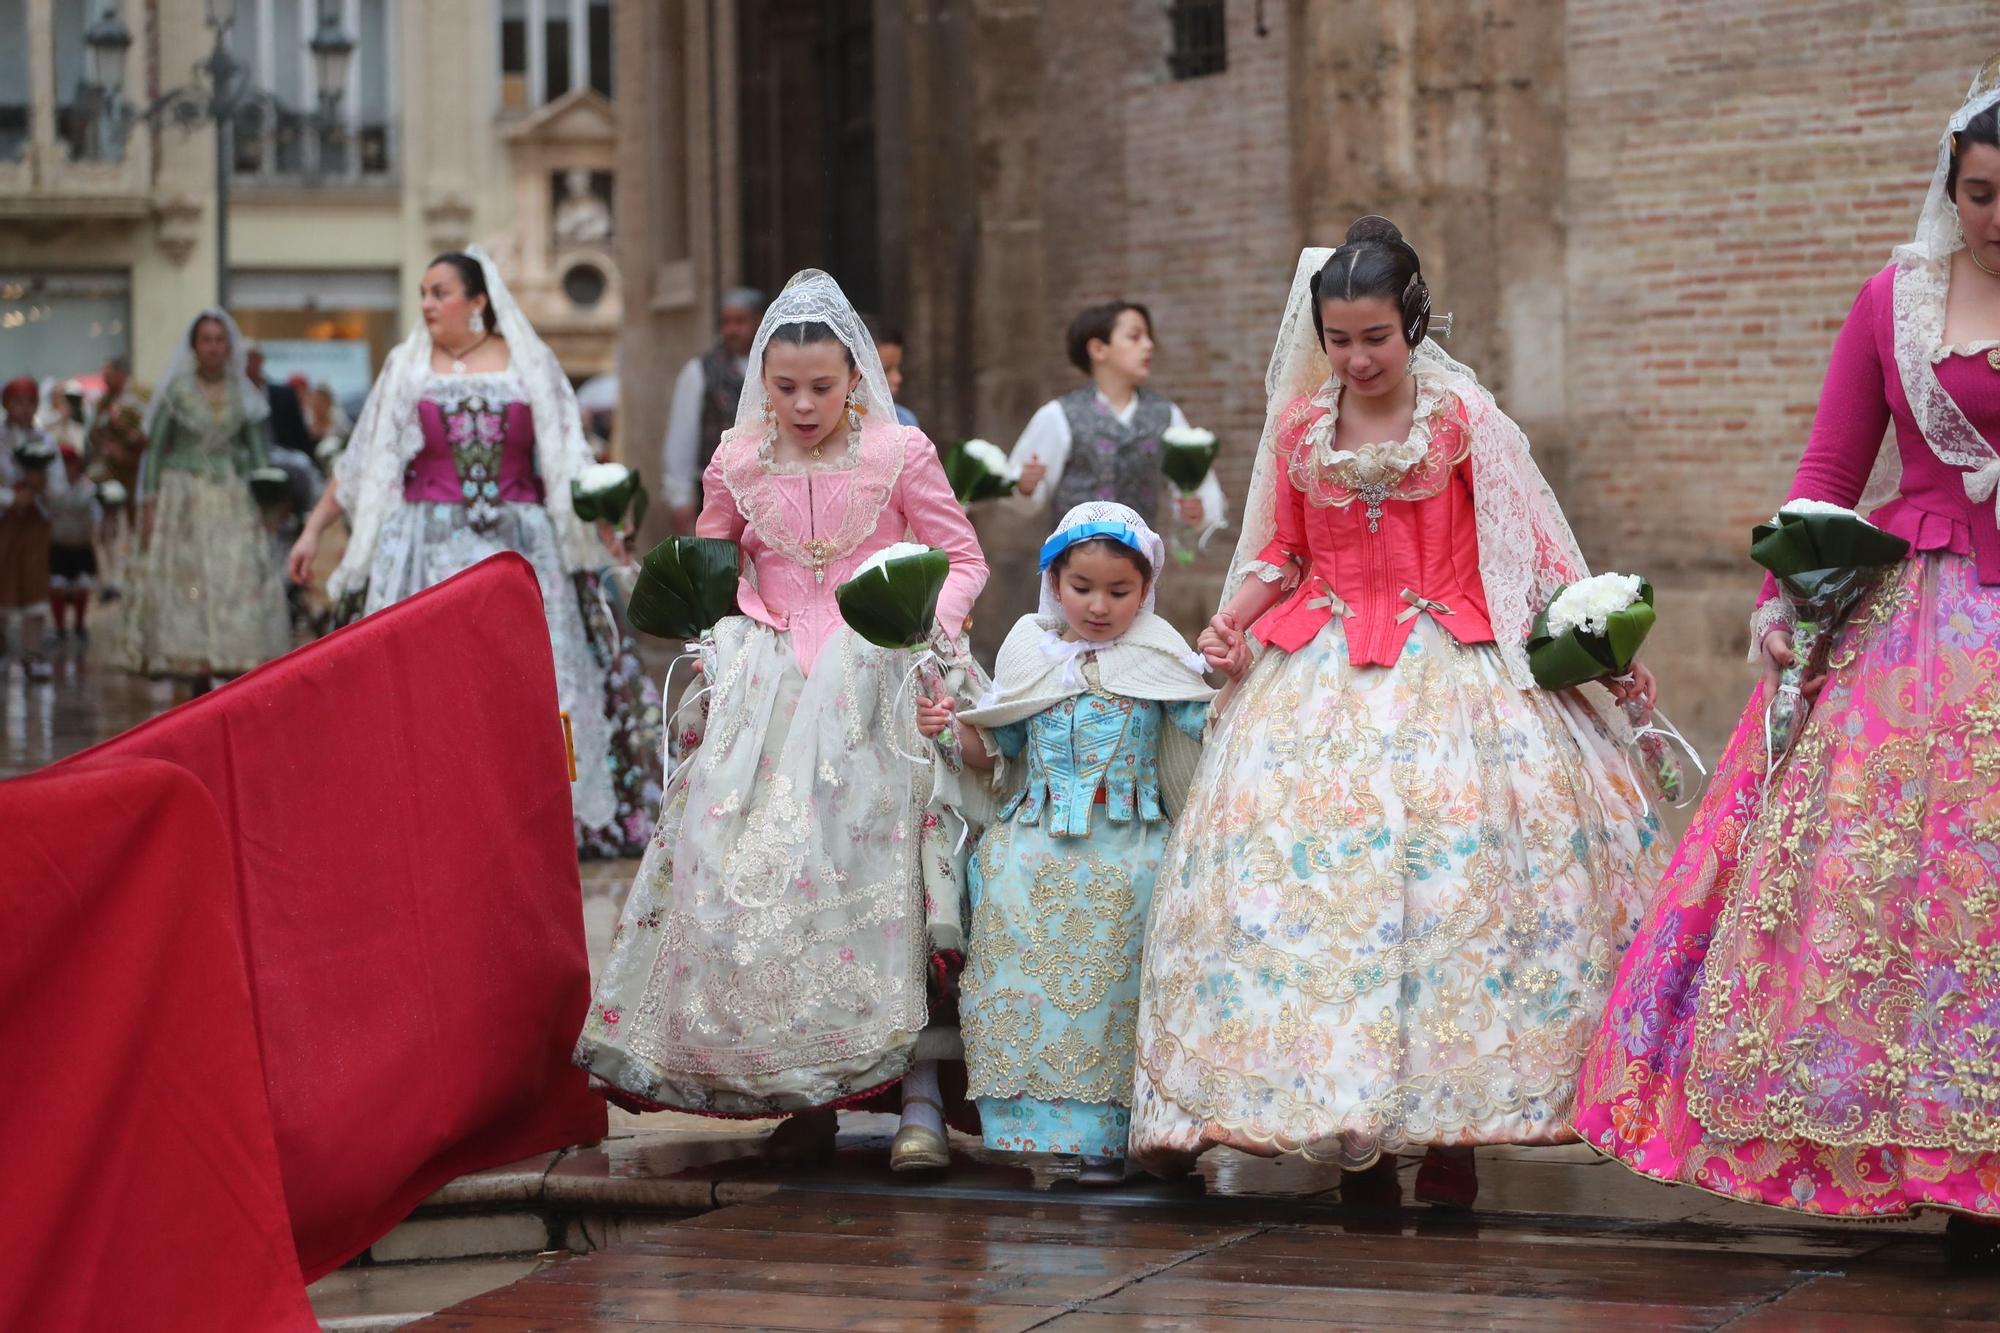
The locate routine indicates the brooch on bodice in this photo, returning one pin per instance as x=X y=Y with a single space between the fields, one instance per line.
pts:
x=820 y=553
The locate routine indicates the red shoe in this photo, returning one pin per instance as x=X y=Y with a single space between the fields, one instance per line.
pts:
x=1447 y=1178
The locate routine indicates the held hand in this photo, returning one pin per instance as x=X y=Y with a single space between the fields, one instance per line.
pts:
x=1778 y=655
x=299 y=564
x=682 y=518
x=934 y=715
x=1191 y=510
x=1640 y=684
x=1031 y=476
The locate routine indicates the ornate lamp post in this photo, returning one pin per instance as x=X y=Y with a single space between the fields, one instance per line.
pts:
x=219 y=95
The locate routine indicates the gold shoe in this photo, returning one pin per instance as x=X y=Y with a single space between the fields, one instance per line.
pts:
x=918 y=1149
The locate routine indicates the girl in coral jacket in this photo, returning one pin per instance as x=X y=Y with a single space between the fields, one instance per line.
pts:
x=1391 y=910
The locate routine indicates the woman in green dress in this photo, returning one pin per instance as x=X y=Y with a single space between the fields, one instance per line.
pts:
x=206 y=595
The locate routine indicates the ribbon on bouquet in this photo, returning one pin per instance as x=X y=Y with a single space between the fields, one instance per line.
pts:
x=926 y=660
x=699 y=652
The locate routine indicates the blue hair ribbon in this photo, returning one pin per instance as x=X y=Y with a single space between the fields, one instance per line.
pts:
x=1121 y=533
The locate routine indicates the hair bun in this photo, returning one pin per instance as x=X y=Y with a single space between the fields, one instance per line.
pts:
x=1374 y=227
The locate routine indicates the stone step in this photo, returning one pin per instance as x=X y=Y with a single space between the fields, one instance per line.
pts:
x=493 y=1227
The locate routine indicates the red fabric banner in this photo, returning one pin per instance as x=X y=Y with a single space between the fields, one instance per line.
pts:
x=142 y=1179
x=397 y=798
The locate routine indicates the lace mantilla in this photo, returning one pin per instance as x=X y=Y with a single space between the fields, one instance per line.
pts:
x=1415 y=467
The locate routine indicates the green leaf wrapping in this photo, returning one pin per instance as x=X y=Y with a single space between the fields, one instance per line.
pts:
x=685 y=585
x=610 y=504
x=970 y=479
x=1187 y=465
x=1564 y=661
x=895 y=604
x=1810 y=547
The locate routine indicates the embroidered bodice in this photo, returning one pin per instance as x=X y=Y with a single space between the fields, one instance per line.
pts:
x=1090 y=743
x=192 y=434
x=479 y=445
x=1862 y=397
x=1378 y=535
x=804 y=531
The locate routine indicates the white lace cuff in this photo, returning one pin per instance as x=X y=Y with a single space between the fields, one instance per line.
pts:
x=1774 y=614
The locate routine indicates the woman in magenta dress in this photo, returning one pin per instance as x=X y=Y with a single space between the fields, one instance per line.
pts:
x=1809 y=1016
x=466 y=449
x=779 y=951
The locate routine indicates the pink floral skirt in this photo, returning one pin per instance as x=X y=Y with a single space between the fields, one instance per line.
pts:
x=1810 y=1016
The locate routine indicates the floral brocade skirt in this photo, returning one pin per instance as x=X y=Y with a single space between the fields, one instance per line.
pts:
x=207 y=597
x=1810 y=1017
x=1050 y=996
x=1390 y=913
x=783 y=939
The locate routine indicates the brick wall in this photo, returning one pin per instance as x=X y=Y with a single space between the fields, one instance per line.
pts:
x=1177 y=194
x=1735 y=172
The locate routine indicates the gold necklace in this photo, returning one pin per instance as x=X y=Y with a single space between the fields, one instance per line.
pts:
x=458 y=358
x=1973 y=254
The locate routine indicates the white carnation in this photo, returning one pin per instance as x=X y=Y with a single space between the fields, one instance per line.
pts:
x=1187 y=436
x=989 y=456
x=899 y=551
x=111 y=493
x=601 y=477
x=1814 y=507
x=1588 y=604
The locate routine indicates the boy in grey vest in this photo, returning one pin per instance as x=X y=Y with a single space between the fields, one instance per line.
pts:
x=1102 y=441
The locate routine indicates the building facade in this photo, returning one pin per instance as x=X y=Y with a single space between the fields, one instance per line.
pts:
x=1647 y=218
x=460 y=121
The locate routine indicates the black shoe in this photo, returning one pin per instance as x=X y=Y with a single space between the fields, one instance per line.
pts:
x=1971 y=1241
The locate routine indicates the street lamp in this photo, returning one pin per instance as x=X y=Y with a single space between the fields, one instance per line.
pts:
x=107 y=41
x=220 y=93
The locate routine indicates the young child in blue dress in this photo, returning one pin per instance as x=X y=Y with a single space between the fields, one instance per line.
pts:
x=1091 y=729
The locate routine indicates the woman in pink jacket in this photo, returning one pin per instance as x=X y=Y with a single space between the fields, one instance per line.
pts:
x=1391 y=909
x=1809 y=1018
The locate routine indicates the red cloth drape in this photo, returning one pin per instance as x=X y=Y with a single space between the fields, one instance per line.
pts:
x=397 y=797
x=142 y=1184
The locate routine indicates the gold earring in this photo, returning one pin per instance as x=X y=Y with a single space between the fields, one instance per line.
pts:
x=856 y=409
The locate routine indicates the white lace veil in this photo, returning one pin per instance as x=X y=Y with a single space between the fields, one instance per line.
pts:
x=1922 y=283
x=813 y=296
x=256 y=405
x=387 y=435
x=1107 y=511
x=1526 y=549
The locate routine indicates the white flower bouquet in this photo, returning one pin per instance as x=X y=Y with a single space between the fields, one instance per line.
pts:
x=978 y=470
x=1825 y=558
x=1591 y=630
x=606 y=492
x=1187 y=456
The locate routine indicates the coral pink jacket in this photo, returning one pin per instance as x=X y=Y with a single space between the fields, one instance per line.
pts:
x=1413 y=551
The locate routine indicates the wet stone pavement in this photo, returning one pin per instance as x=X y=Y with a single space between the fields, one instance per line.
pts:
x=675 y=1222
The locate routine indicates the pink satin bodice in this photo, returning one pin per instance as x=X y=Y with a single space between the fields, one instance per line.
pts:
x=803 y=533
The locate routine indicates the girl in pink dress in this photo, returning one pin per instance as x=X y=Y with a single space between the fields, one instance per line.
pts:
x=776 y=954
x=1811 y=1016
x=1391 y=910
